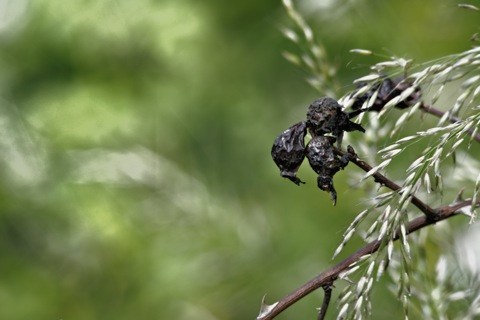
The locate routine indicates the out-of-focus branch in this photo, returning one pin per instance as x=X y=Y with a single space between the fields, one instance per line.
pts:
x=439 y=113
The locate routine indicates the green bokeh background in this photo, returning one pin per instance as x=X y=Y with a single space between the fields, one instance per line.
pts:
x=136 y=179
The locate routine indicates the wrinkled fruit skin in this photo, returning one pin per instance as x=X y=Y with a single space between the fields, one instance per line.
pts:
x=325 y=115
x=288 y=151
x=325 y=163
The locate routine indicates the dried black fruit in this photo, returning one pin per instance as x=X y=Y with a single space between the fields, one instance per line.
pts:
x=387 y=90
x=288 y=151
x=325 y=163
x=325 y=115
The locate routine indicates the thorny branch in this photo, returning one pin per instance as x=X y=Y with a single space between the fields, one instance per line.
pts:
x=330 y=275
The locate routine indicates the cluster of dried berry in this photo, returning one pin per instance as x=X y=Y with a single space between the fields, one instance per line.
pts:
x=326 y=123
x=324 y=116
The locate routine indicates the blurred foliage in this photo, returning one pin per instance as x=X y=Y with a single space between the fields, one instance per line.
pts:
x=136 y=175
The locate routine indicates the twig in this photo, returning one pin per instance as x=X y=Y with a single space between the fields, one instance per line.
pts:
x=330 y=275
x=327 y=288
x=380 y=178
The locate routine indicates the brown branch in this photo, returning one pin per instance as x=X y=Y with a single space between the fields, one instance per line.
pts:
x=380 y=178
x=330 y=275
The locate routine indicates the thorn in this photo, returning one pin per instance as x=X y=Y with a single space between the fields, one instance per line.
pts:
x=265 y=308
x=459 y=196
x=351 y=151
